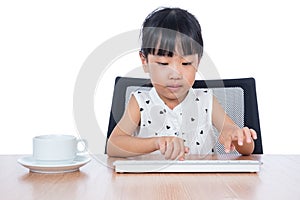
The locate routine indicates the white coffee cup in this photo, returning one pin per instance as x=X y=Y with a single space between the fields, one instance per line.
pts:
x=57 y=148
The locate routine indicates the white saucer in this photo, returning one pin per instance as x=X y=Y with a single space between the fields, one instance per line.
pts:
x=51 y=168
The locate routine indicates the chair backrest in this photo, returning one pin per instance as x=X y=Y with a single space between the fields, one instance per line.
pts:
x=237 y=96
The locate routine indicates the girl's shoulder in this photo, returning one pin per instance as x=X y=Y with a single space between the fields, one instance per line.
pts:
x=142 y=93
x=144 y=96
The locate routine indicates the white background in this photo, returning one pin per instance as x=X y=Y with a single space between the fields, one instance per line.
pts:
x=44 y=44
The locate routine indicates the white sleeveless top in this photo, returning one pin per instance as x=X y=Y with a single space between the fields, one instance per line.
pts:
x=191 y=120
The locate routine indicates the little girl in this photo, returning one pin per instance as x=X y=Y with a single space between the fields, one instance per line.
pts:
x=172 y=117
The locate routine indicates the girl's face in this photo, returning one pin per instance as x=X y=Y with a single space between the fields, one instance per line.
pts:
x=172 y=77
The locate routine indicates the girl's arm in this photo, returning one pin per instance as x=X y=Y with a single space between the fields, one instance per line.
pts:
x=122 y=143
x=231 y=136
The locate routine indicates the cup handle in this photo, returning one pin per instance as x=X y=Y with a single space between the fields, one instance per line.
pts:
x=85 y=143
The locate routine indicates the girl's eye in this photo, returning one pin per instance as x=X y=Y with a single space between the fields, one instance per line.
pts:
x=187 y=63
x=162 y=63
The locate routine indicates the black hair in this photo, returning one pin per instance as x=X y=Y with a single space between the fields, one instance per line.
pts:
x=166 y=28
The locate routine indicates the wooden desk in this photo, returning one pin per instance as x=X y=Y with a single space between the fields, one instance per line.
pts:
x=279 y=178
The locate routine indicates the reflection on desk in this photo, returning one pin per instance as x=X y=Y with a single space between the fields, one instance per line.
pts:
x=277 y=179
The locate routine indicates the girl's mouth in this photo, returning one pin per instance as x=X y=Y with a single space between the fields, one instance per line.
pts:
x=174 y=88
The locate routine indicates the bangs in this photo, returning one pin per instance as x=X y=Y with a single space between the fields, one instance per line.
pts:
x=167 y=42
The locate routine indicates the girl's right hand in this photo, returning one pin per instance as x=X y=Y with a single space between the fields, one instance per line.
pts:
x=172 y=147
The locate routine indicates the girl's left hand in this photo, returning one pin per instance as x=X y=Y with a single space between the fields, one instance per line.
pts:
x=234 y=137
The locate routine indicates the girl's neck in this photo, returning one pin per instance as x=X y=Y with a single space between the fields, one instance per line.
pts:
x=172 y=104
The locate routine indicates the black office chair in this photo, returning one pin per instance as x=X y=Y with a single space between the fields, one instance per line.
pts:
x=237 y=96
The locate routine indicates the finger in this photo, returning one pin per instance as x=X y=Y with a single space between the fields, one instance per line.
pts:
x=186 y=150
x=182 y=150
x=227 y=144
x=177 y=151
x=240 y=137
x=247 y=134
x=253 y=133
x=162 y=146
x=169 y=150
x=181 y=158
x=232 y=147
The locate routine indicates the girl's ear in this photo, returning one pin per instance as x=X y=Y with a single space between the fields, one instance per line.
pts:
x=144 y=62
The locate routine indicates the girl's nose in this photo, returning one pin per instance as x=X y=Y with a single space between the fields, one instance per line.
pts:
x=175 y=72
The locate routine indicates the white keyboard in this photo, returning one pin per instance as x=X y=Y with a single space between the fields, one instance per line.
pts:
x=143 y=166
